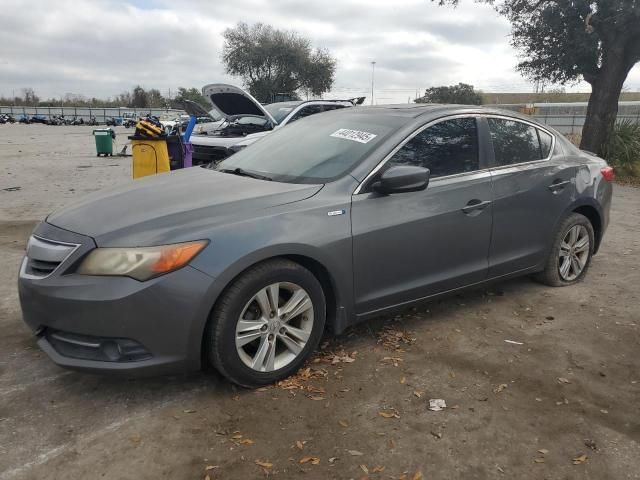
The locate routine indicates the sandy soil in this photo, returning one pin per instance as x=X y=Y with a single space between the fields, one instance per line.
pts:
x=571 y=390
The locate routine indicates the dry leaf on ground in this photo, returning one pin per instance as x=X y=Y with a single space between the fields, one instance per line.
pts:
x=500 y=388
x=580 y=459
x=311 y=460
x=389 y=413
x=264 y=464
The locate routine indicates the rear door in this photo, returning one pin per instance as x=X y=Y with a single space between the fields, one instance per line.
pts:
x=411 y=245
x=531 y=189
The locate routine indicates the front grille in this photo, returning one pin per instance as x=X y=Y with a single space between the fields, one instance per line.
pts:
x=208 y=153
x=44 y=256
x=102 y=349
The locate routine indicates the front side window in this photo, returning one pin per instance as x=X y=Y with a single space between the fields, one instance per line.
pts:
x=446 y=148
x=514 y=142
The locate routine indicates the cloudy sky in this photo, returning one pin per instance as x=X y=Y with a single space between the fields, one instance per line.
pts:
x=103 y=47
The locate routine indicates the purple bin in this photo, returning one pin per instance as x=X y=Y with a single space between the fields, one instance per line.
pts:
x=188 y=155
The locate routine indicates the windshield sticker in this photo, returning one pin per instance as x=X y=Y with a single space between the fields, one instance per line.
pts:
x=354 y=135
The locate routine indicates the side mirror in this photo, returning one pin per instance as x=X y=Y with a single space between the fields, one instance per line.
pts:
x=402 y=179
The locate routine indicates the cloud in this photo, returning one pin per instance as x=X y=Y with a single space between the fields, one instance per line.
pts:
x=101 y=48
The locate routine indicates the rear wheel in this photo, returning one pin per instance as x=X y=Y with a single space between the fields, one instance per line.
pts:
x=570 y=256
x=267 y=323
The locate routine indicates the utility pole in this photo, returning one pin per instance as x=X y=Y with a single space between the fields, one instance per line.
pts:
x=373 y=71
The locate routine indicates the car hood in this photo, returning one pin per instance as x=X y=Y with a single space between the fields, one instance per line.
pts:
x=232 y=101
x=174 y=207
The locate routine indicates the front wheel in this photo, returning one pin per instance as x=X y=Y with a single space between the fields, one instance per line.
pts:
x=267 y=323
x=571 y=253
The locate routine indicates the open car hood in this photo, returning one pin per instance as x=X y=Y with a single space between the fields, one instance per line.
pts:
x=232 y=101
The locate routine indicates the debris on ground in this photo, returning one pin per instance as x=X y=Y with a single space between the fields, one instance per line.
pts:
x=392 y=338
x=395 y=361
x=590 y=443
x=264 y=464
x=11 y=189
x=580 y=459
x=500 y=388
x=389 y=413
x=311 y=460
x=513 y=342
x=437 y=404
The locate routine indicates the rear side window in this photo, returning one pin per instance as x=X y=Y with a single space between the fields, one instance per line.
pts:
x=514 y=142
x=545 y=143
x=306 y=111
x=446 y=148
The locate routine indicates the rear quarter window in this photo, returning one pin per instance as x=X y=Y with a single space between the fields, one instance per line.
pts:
x=546 y=141
x=514 y=142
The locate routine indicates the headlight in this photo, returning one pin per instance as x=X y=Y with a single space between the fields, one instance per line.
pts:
x=140 y=263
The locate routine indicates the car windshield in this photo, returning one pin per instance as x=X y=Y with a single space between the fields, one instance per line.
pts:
x=317 y=149
x=280 y=110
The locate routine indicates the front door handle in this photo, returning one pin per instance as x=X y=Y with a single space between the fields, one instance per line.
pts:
x=558 y=185
x=475 y=205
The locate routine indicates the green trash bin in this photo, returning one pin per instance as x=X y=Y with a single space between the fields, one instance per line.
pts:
x=104 y=141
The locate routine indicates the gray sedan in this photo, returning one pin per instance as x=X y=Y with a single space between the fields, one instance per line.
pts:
x=338 y=218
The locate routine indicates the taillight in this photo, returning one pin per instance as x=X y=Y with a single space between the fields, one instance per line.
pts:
x=608 y=174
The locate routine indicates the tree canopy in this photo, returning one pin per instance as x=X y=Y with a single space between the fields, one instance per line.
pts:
x=272 y=62
x=461 y=93
x=564 y=41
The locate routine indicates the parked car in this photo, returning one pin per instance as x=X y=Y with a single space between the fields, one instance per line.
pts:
x=330 y=221
x=247 y=120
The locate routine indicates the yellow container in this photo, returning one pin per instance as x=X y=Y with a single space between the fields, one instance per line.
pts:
x=150 y=156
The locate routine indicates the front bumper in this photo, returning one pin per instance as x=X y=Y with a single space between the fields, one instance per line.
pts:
x=115 y=324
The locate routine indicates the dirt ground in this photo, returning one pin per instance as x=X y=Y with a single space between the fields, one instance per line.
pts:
x=562 y=403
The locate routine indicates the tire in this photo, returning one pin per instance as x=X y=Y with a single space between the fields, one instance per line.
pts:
x=249 y=298
x=556 y=273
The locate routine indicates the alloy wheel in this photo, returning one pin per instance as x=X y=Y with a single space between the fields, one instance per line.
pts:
x=574 y=253
x=274 y=326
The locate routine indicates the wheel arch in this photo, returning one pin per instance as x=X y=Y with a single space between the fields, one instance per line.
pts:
x=594 y=216
x=336 y=291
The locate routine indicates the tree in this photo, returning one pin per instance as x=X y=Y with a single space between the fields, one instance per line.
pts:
x=272 y=62
x=563 y=41
x=155 y=99
x=139 y=98
x=30 y=97
x=192 y=94
x=461 y=94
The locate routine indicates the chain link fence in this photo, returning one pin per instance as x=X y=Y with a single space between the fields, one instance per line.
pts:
x=86 y=113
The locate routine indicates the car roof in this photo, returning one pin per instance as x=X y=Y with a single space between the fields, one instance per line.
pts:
x=295 y=103
x=415 y=110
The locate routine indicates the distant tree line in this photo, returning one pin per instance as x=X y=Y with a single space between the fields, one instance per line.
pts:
x=138 y=97
x=461 y=93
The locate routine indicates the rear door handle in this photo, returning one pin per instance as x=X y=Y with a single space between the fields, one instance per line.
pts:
x=475 y=205
x=558 y=185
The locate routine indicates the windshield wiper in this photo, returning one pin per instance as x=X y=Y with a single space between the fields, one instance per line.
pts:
x=244 y=173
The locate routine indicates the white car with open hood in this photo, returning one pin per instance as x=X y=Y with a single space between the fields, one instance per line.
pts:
x=246 y=120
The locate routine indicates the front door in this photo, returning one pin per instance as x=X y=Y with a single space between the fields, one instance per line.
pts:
x=412 y=245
